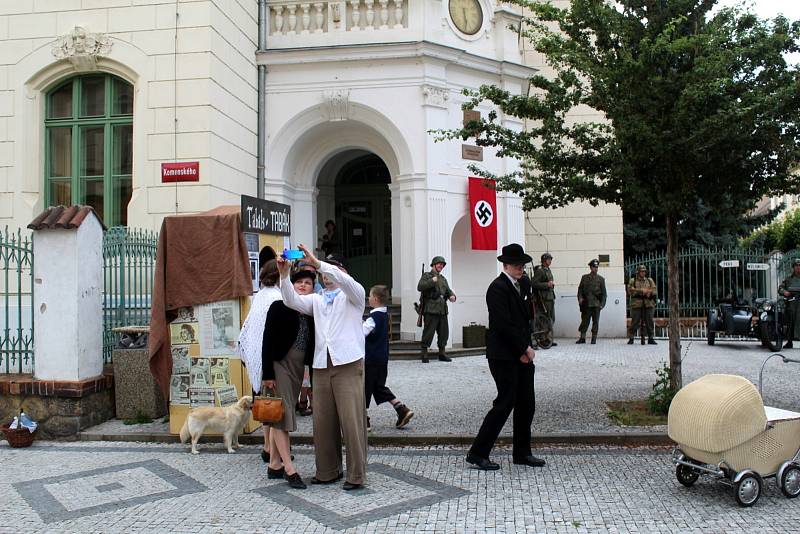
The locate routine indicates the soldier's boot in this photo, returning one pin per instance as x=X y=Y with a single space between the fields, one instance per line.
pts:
x=642 y=340
x=581 y=339
x=651 y=341
x=594 y=340
x=425 y=355
x=443 y=357
x=630 y=341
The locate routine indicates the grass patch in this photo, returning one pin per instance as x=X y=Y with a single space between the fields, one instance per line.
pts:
x=140 y=419
x=633 y=413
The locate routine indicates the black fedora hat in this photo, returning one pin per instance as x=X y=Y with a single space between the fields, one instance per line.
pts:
x=514 y=254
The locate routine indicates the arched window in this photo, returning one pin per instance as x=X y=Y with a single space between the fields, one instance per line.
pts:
x=89 y=145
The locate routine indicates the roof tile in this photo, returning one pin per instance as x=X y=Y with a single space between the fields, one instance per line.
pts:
x=63 y=217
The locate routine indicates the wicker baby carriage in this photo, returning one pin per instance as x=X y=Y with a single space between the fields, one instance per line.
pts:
x=723 y=429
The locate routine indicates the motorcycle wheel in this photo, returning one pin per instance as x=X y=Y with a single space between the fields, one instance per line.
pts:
x=770 y=337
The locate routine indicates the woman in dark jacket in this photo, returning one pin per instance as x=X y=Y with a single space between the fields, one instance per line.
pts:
x=287 y=348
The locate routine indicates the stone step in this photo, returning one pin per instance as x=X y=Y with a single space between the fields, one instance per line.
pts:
x=415 y=354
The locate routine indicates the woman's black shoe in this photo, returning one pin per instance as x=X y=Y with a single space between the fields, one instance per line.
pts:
x=264 y=456
x=295 y=481
x=275 y=473
x=349 y=486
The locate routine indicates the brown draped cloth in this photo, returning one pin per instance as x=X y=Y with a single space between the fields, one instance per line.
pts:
x=201 y=258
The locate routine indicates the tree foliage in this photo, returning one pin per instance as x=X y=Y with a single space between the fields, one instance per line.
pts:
x=782 y=234
x=721 y=225
x=698 y=106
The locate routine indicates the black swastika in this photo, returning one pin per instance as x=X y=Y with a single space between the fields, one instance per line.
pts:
x=483 y=213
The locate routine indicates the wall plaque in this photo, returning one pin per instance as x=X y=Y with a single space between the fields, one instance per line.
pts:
x=472 y=152
x=471 y=115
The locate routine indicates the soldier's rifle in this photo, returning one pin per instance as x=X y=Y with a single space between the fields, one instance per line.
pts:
x=420 y=306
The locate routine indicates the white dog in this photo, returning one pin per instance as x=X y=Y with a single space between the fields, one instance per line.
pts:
x=228 y=420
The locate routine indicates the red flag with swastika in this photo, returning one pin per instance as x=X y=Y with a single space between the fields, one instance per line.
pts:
x=483 y=213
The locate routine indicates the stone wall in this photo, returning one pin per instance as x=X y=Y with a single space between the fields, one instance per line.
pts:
x=62 y=409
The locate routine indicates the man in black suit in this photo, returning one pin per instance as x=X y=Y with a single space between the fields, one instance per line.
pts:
x=508 y=349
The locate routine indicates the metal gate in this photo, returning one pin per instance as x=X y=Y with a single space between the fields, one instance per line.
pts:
x=129 y=259
x=16 y=338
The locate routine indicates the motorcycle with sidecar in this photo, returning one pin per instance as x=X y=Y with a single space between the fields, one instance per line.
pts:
x=763 y=320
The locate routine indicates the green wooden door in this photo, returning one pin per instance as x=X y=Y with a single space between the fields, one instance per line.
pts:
x=364 y=220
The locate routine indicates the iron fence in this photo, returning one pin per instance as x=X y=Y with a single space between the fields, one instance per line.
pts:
x=129 y=258
x=708 y=276
x=16 y=342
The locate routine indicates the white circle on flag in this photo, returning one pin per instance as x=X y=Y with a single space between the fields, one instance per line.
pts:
x=483 y=213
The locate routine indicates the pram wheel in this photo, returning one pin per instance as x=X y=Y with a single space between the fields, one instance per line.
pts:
x=747 y=490
x=790 y=481
x=686 y=475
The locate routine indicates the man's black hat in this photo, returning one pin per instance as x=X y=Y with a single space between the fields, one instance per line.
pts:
x=513 y=254
x=338 y=260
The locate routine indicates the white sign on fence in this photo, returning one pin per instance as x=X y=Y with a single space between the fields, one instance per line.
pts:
x=729 y=263
x=758 y=266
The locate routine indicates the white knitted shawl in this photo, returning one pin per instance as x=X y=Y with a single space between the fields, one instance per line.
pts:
x=252 y=335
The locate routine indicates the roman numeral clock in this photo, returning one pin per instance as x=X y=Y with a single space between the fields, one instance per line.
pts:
x=466 y=15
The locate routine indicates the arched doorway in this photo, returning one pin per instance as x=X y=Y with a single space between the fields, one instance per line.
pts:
x=363 y=217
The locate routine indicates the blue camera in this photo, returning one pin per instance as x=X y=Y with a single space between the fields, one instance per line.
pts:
x=293 y=254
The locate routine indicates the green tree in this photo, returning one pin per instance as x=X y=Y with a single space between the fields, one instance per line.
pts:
x=698 y=106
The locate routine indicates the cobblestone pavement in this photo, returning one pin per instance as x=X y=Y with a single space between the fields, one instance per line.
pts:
x=135 y=487
x=573 y=383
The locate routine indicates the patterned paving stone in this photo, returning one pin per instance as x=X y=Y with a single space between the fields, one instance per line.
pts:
x=75 y=488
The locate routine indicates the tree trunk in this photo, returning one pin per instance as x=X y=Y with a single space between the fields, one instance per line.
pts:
x=673 y=282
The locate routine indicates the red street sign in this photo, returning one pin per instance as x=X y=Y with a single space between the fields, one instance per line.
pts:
x=186 y=171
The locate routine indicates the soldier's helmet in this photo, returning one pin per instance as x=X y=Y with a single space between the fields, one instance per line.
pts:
x=594 y=263
x=547 y=256
x=641 y=268
x=437 y=259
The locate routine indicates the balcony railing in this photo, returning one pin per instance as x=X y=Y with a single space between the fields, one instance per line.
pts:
x=292 y=18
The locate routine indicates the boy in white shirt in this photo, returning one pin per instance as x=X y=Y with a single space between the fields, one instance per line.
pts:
x=339 y=405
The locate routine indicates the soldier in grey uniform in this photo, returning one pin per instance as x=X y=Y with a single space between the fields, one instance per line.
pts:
x=790 y=289
x=643 y=292
x=543 y=284
x=435 y=293
x=591 y=299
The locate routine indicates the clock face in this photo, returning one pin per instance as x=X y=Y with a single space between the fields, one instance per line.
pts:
x=467 y=15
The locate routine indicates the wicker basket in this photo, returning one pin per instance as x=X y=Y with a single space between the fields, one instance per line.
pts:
x=18 y=437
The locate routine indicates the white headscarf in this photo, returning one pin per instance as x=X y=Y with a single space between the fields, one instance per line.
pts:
x=252 y=334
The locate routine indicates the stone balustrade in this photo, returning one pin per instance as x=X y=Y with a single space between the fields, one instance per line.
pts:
x=289 y=18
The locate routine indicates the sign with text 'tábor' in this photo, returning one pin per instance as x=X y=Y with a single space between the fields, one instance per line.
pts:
x=184 y=171
x=265 y=217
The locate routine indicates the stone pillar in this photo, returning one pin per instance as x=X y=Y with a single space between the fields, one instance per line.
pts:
x=68 y=293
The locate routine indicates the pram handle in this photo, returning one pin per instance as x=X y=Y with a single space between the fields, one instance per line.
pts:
x=761 y=372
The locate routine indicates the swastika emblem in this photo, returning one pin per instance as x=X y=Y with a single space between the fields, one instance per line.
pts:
x=483 y=214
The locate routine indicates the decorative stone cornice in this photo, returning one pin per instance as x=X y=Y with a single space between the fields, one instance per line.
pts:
x=336 y=104
x=81 y=47
x=435 y=96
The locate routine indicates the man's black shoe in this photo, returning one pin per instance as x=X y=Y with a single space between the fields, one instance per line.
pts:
x=642 y=341
x=315 y=480
x=651 y=341
x=275 y=473
x=630 y=341
x=531 y=461
x=580 y=340
x=482 y=463
x=349 y=486
x=788 y=345
x=404 y=415
x=443 y=358
x=295 y=481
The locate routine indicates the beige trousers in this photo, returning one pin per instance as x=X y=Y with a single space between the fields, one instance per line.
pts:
x=339 y=412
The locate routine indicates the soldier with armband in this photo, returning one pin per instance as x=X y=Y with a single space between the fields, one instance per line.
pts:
x=790 y=290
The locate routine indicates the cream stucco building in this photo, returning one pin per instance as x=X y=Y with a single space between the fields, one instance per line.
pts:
x=96 y=94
